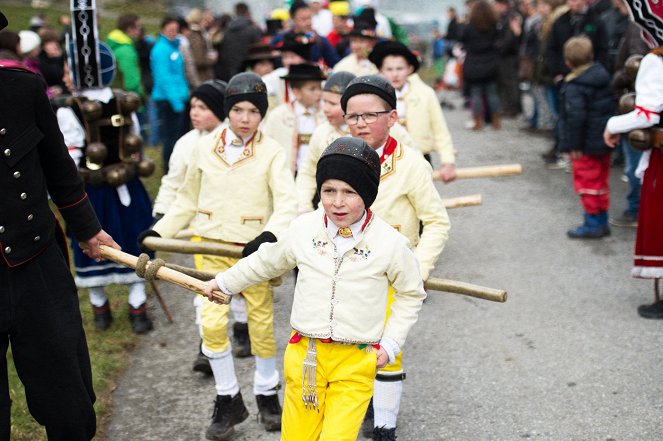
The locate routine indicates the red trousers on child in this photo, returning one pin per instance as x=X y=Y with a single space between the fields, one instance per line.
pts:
x=590 y=181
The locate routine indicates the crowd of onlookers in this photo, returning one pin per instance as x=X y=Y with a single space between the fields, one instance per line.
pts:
x=512 y=58
x=507 y=57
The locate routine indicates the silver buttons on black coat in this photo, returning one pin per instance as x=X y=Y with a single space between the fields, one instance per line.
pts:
x=2 y=229
x=36 y=239
x=3 y=131
x=30 y=217
x=8 y=250
x=7 y=152
x=23 y=196
x=17 y=174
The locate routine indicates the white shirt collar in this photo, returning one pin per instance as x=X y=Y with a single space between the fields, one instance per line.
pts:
x=404 y=89
x=356 y=227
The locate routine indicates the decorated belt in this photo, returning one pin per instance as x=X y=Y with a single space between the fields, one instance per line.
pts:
x=309 y=367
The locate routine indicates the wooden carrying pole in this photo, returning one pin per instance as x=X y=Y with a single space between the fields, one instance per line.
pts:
x=164 y=273
x=463 y=201
x=188 y=247
x=433 y=284
x=486 y=171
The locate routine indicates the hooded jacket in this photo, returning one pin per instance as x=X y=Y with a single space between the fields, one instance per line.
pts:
x=587 y=102
x=127 y=61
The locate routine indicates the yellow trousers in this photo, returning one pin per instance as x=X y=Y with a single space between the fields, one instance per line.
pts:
x=260 y=315
x=397 y=366
x=344 y=381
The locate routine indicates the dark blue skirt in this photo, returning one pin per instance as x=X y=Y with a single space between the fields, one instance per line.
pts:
x=123 y=224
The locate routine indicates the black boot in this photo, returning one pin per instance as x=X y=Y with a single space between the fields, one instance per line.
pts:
x=140 y=322
x=102 y=316
x=368 y=423
x=228 y=411
x=654 y=311
x=201 y=363
x=383 y=434
x=241 y=342
x=269 y=412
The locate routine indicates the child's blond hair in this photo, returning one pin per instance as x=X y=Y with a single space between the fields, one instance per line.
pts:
x=578 y=51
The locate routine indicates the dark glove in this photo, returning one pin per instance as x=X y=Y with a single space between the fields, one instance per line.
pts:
x=141 y=238
x=253 y=246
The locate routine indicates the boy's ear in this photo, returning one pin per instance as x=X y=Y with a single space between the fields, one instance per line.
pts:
x=392 y=117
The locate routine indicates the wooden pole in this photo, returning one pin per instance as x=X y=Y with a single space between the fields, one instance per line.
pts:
x=463 y=201
x=188 y=247
x=486 y=171
x=164 y=273
x=434 y=284
x=161 y=301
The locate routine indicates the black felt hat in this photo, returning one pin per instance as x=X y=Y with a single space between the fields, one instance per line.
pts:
x=304 y=72
x=299 y=43
x=372 y=84
x=246 y=86
x=259 y=52
x=338 y=81
x=384 y=48
x=364 y=24
x=353 y=161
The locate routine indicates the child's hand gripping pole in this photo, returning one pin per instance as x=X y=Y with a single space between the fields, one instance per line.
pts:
x=157 y=270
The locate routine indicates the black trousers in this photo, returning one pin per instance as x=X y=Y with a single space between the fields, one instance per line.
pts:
x=40 y=317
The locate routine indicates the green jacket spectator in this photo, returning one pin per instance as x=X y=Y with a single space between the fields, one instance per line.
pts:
x=121 y=42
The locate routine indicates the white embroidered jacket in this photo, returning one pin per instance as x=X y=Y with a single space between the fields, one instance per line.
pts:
x=342 y=297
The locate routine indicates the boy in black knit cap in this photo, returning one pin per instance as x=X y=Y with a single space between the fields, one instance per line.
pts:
x=347 y=259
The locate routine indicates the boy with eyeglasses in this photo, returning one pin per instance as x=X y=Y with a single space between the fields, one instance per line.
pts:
x=328 y=132
x=406 y=198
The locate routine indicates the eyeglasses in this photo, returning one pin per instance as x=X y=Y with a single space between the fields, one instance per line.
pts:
x=368 y=117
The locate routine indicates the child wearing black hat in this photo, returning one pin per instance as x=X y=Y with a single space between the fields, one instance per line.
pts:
x=326 y=133
x=347 y=258
x=407 y=199
x=237 y=191
x=417 y=104
x=362 y=39
x=295 y=48
x=293 y=123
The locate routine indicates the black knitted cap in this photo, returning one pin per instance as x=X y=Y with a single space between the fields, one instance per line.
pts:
x=338 y=81
x=373 y=84
x=212 y=93
x=353 y=161
x=246 y=86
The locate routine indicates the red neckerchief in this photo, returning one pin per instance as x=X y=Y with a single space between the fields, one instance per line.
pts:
x=389 y=149
x=648 y=113
x=369 y=216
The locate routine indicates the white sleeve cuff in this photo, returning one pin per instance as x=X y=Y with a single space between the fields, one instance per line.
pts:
x=222 y=285
x=631 y=121
x=391 y=348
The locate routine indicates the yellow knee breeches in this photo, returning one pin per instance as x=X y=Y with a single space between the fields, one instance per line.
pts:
x=344 y=381
x=259 y=301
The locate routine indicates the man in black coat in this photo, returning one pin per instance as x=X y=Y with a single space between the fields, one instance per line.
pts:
x=39 y=310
